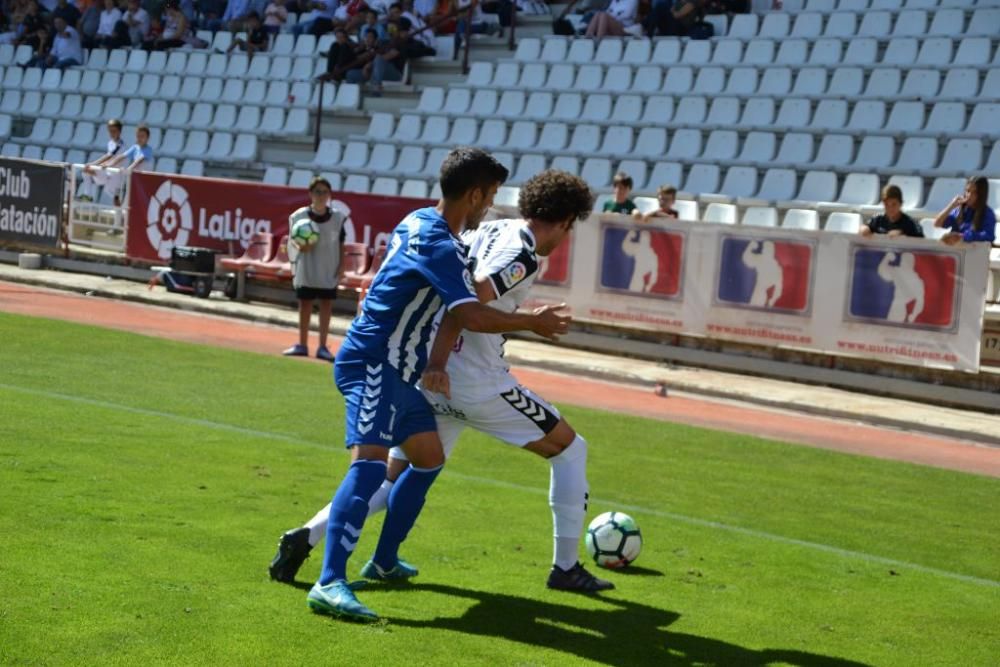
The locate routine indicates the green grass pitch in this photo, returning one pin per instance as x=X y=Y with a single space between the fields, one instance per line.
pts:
x=144 y=484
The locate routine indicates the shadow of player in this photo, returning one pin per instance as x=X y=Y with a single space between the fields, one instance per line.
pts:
x=624 y=634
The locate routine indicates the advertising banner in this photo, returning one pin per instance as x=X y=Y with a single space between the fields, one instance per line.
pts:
x=167 y=210
x=31 y=201
x=909 y=301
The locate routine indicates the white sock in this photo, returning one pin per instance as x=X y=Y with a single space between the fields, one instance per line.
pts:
x=317 y=525
x=568 y=499
x=380 y=500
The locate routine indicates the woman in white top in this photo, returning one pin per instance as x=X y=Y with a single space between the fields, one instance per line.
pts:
x=615 y=20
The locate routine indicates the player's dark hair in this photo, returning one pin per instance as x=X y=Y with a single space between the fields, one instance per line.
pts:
x=114 y=122
x=143 y=128
x=621 y=178
x=555 y=196
x=319 y=180
x=466 y=168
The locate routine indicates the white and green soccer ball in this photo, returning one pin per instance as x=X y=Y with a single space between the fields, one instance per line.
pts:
x=613 y=540
x=305 y=234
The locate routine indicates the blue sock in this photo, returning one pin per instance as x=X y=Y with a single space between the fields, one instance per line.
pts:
x=347 y=516
x=405 y=502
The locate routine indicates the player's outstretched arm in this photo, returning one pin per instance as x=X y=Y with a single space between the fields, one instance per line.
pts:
x=546 y=321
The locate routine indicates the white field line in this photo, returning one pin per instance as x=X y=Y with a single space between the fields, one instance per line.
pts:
x=681 y=518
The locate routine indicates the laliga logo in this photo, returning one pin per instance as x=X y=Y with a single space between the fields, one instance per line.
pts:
x=169 y=219
x=351 y=234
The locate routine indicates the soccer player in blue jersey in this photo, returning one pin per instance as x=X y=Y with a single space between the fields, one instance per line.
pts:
x=383 y=356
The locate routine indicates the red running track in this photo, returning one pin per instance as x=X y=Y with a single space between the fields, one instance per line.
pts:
x=807 y=430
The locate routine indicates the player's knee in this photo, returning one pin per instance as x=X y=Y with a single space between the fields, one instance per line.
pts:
x=576 y=450
x=555 y=441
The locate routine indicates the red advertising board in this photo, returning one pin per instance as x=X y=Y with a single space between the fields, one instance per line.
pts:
x=167 y=210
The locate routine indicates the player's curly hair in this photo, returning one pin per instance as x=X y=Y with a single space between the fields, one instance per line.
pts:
x=555 y=196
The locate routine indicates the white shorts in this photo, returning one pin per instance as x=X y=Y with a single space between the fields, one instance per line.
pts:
x=110 y=177
x=517 y=416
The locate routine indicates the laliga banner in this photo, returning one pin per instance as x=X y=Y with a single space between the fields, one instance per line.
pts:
x=909 y=301
x=31 y=199
x=167 y=210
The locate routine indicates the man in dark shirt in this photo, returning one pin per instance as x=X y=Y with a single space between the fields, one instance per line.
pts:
x=893 y=222
x=391 y=60
x=66 y=12
x=341 y=55
x=256 y=40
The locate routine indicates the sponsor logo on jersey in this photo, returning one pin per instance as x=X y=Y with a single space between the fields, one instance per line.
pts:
x=513 y=274
x=648 y=262
x=904 y=287
x=765 y=274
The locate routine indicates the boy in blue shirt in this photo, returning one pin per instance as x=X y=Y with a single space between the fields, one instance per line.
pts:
x=384 y=355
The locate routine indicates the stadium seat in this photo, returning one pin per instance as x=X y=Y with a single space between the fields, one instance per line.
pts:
x=685 y=145
x=435 y=130
x=724 y=113
x=777 y=185
x=983 y=121
x=414 y=188
x=759 y=52
x=84 y=135
x=355 y=156
x=709 y=81
x=357 y=183
x=511 y=104
x=743 y=82
x=720 y=213
x=973 y=51
x=529 y=49
x=484 y=103
x=816 y=186
x=876 y=153
x=942 y=191
x=760 y=216
x=836 y=151
x=275 y=175
x=596 y=108
x=776 y=82
x=826 y=52
x=244 y=148
x=946 y=118
x=792 y=52
x=701 y=178
x=300 y=178
x=906 y=118
x=721 y=146
x=859 y=190
x=384 y=185
x=961 y=156
x=224 y=117
x=260 y=248
x=843 y=222
x=918 y=154
x=921 y=84
x=794 y=113
x=527 y=166
x=408 y=130
x=797 y=218
x=776 y=25
x=463 y=132
x=690 y=111
x=411 y=161
x=664 y=173
x=554 y=50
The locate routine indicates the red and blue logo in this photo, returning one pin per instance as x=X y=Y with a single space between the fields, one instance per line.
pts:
x=648 y=262
x=904 y=287
x=766 y=274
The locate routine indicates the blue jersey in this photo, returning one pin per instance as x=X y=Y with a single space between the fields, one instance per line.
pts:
x=425 y=266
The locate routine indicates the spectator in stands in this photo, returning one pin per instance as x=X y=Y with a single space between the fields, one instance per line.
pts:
x=317 y=270
x=256 y=40
x=237 y=13
x=67 y=12
x=90 y=20
x=391 y=19
x=339 y=58
x=372 y=25
x=666 y=195
x=351 y=14
x=477 y=19
x=968 y=215
x=893 y=222
x=110 y=16
x=362 y=65
x=615 y=20
x=211 y=12
x=321 y=20
x=138 y=157
x=391 y=61
x=622 y=184
x=674 y=18
x=26 y=28
x=275 y=17
x=137 y=20
x=418 y=25
x=66 y=51
x=175 y=30
x=94 y=174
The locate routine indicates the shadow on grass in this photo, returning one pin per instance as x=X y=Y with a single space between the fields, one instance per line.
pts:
x=636 y=571
x=623 y=634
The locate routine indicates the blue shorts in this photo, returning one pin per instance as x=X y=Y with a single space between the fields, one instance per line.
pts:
x=380 y=408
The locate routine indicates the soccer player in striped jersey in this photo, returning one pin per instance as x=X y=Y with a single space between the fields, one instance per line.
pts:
x=382 y=358
x=477 y=389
